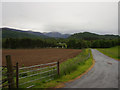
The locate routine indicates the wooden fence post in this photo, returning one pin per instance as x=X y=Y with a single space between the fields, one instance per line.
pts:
x=58 y=68
x=10 y=72
x=17 y=76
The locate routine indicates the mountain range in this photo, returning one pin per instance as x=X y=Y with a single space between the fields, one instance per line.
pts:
x=15 y=33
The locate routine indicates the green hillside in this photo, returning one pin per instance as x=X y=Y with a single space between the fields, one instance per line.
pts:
x=7 y=33
x=92 y=36
x=14 y=33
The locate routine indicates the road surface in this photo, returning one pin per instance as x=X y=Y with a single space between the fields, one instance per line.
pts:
x=104 y=74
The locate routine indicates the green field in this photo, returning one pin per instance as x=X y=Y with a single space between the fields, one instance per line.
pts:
x=111 y=52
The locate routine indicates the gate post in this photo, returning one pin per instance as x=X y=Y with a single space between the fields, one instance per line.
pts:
x=58 y=68
x=10 y=72
x=17 y=76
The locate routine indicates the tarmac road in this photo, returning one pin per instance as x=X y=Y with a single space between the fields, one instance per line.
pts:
x=104 y=74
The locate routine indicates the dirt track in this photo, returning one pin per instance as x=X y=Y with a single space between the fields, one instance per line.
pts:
x=38 y=56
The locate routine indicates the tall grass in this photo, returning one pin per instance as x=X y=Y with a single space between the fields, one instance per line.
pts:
x=72 y=64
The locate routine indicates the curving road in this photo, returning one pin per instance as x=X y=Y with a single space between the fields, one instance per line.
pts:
x=104 y=74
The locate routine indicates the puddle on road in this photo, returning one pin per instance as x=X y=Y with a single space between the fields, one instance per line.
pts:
x=109 y=63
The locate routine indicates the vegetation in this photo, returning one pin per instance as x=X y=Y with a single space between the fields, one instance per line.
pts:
x=82 y=66
x=92 y=36
x=28 y=43
x=13 y=39
x=111 y=52
x=68 y=71
x=12 y=43
x=13 y=33
x=70 y=68
x=72 y=64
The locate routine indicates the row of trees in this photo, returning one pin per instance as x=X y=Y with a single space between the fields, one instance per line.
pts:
x=51 y=42
x=27 y=43
x=78 y=44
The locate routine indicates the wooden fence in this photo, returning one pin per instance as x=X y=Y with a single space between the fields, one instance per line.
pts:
x=24 y=77
x=15 y=77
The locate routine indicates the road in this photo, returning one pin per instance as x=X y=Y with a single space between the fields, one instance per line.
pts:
x=104 y=74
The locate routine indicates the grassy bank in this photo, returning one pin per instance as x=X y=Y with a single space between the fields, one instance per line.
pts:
x=72 y=72
x=111 y=52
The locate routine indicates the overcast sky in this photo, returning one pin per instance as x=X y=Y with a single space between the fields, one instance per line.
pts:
x=64 y=17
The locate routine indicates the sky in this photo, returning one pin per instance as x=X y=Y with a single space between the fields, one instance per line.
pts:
x=63 y=17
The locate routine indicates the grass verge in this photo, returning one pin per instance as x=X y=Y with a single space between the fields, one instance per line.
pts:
x=82 y=68
x=111 y=52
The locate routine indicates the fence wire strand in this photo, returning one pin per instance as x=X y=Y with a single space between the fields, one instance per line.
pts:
x=36 y=79
x=37 y=65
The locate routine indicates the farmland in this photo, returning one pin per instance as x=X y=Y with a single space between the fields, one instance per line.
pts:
x=30 y=57
x=80 y=62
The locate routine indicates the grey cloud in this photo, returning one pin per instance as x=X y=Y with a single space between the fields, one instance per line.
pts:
x=64 y=17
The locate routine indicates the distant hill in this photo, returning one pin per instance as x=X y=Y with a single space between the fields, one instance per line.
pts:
x=92 y=36
x=56 y=35
x=14 y=33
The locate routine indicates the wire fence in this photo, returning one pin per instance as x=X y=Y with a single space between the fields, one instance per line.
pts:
x=40 y=72
x=15 y=77
x=25 y=77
